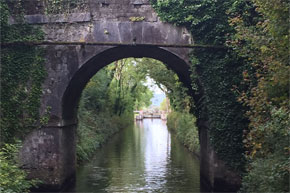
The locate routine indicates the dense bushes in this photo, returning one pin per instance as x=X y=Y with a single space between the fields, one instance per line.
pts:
x=268 y=169
x=184 y=126
x=13 y=179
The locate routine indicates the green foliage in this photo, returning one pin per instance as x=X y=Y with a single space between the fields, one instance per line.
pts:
x=266 y=176
x=136 y=19
x=206 y=19
x=127 y=89
x=22 y=73
x=13 y=179
x=184 y=125
x=95 y=128
x=269 y=167
x=219 y=73
x=64 y=6
x=180 y=120
x=110 y=97
x=167 y=81
x=95 y=95
x=164 y=105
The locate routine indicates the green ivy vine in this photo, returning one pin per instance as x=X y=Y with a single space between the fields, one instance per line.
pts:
x=22 y=74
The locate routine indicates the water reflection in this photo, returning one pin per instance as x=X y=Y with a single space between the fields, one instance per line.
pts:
x=157 y=154
x=145 y=158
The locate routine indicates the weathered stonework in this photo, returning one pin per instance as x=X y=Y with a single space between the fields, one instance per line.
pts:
x=213 y=171
x=49 y=153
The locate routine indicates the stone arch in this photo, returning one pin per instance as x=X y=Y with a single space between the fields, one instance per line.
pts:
x=49 y=153
x=91 y=67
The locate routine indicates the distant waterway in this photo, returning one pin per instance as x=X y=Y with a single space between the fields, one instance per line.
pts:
x=144 y=158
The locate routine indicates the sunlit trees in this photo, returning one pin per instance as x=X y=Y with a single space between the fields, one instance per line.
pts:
x=128 y=90
x=167 y=81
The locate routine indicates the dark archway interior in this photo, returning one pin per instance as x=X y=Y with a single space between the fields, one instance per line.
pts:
x=83 y=75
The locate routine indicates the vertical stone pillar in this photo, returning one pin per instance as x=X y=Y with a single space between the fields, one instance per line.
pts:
x=206 y=158
x=49 y=154
x=213 y=171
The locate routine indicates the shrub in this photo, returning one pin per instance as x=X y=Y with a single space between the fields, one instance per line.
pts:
x=184 y=125
x=13 y=179
x=269 y=165
x=95 y=129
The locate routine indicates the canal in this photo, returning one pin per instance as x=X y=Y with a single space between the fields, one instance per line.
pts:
x=144 y=158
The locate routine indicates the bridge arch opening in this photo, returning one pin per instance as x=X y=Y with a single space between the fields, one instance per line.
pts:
x=74 y=89
x=78 y=82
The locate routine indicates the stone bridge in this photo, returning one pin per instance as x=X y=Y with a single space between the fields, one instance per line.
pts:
x=49 y=153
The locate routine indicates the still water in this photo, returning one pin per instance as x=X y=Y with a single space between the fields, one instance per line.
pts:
x=144 y=158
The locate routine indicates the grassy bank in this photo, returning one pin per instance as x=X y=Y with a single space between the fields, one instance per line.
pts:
x=184 y=126
x=94 y=130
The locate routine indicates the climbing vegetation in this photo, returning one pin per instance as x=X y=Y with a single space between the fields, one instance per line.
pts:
x=22 y=73
x=64 y=6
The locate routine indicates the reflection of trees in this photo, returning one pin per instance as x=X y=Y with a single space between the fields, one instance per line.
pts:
x=126 y=160
x=145 y=158
x=184 y=171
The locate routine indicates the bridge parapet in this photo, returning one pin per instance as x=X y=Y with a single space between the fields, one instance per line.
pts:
x=40 y=12
x=102 y=21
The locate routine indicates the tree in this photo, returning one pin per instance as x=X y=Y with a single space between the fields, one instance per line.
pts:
x=263 y=41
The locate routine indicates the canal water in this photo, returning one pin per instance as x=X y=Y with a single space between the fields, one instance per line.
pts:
x=144 y=158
